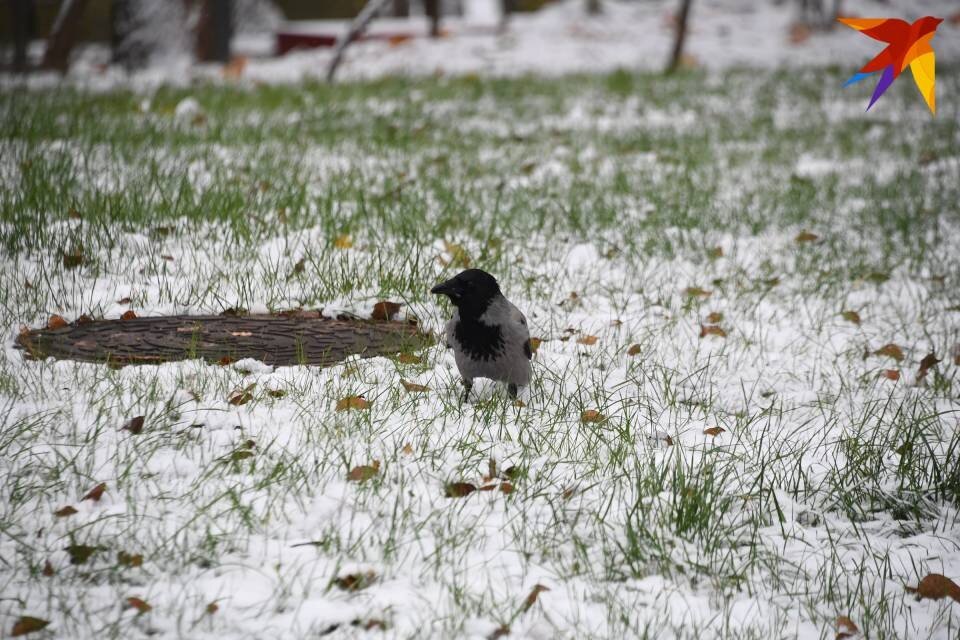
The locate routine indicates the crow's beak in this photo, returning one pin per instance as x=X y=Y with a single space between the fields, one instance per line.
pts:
x=447 y=288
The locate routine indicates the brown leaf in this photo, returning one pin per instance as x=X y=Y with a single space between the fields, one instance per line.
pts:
x=240 y=398
x=409 y=358
x=413 y=387
x=936 y=586
x=225 y=360
x=124 y=301
x=491 y=469
x=65 y=512
x=851 y=316
x=877 y=277
x=233 y=70
x=212 y=608
x=140 y=605
x=956 y=354
x=298 y=267
x=80 y=553
x=352 y=402
x=343 y=242
x=27 y=624
x=73 y=259
x=715 y=252
x=930 y=360
x=697 y=292
x=84 y=319
x=806 y=236
x=133 y=425
x=845 y=628
x=355 y=581
x=500 y=632
x=96 y=493
x=385 y=310
x=715 y=317
x=712 y=330
x=634 y=350
x=714 y=431
x=47 y=569
x=407 y=450
x=891 y=374
x=587 y=339
x=506 y=487
x=532 y=598
x=129 y=559
x=799 y=33
x=568 y=493
x=592 y=415
x=536 y=342
x=890 y=350
x=276 y=393
x=364 y=472
x=458 y=489
x=129 y=314
x=56 y=322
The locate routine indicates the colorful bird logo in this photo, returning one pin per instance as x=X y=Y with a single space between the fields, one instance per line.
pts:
x=908 y=44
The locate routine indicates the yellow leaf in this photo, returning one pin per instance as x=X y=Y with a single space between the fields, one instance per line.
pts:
x=587 y=339
x=592 y=415
x=352 y=402
x=343 y=242
x=712 y=330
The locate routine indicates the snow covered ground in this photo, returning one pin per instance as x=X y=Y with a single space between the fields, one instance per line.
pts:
x=557 y=40
x=735 y=274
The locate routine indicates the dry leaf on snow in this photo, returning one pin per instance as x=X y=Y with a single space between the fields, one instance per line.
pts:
x=935 y=586
x=27 y=624
x=352 y=402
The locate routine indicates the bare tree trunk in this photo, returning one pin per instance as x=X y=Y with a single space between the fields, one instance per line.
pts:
x=432 y=8
x=214 y=31
x=20 y=23
x=680 y=36
x=401 y=8
x=63 y=35
x=594 y=8
x=370 y=10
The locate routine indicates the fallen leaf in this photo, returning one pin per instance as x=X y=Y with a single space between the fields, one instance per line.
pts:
x=500 y=632
x=407 y=450
x=129 y=314
x=343 y=242
x=84 y=319
x=364 y=472
x=385 y=310
x=568 y=493
x=235 y=311
x=65 y=512
x=715 y=252
x=27 y=624
x=714 y=431
x=697 y=292
x=398 y=39
x=634 y=350
x=532 y=598
x=297 y=268
x=47 y=569
x=352 y=402
x=851 y=316
x=506 y=487
x=56 y=322
x=536 y=342
x=712 y=330
x=409 y=358
x=355 y=581
x=133 y=425
x=73 y=260
x=233 y=70
x=806 y=236
x=891 y=374
x=80 y=553
x=212 y=608
x=167 y=258
x=129 y=559
x=799 y=33
x=241 y=454
x=715 y=317
x=878 y=277
x=96 y=493
x=458 y=489
x=138 y=604
x=930 y=360
x=890 y=350
x=276 y=393
x=240 y=398
x=458 y=255
x=845 y=628
x=225 y=360
x=936 y=586
x=587 y=339
x=592 y=415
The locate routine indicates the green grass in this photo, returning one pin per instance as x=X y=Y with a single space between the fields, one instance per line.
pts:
x=830 y=488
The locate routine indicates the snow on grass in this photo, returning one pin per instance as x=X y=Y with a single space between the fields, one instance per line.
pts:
x=829 y=488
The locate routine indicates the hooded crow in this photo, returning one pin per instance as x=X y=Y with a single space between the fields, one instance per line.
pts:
x=488 y=334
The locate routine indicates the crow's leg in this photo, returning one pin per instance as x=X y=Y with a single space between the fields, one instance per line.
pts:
x=467 y=386
x=512 y=390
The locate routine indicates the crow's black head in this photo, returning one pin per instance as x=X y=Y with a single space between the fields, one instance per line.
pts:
x=471 y=291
